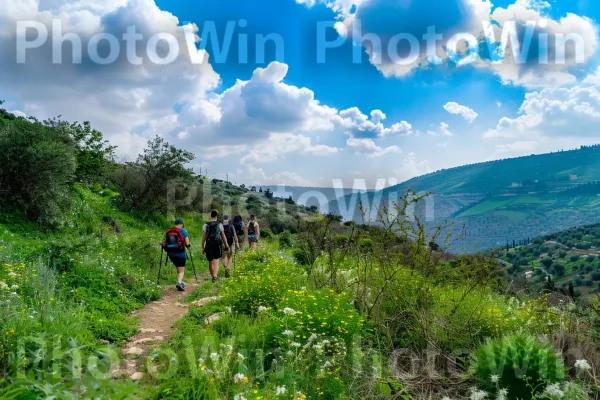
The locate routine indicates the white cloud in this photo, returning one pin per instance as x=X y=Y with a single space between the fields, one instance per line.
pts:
x=467 y=113
x=258 y=176
x=280 y=144
x=381 y=19
x=565 y=112
x=516 y=148
x=120 y=99
x=369 y=148
x=443 y=130
x=359 y=125
x=411 y=168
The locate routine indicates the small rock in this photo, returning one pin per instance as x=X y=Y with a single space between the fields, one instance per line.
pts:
x=137 y=376
x=134 y=350
x=148 y=340
x=212 y=318
x=205 y=301
x=147 y=330
x=182 y=305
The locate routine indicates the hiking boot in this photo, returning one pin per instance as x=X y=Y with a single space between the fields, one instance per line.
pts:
x=227 y=274
x=180 y=286
x=215 y=279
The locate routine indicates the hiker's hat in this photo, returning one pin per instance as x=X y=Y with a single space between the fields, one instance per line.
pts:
x=178 y=221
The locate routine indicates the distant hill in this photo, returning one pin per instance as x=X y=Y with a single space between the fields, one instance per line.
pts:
x=309 y=196
x=502 y=200
x=568 y=256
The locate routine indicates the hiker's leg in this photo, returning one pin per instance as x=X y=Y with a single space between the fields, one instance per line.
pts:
x=215 y=268
x=180 y=273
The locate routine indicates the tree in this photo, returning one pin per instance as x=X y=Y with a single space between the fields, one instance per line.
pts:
x=38 y=164
x=268 y=194
x=144 y=184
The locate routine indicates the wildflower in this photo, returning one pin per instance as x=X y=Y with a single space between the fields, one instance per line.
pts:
x=295 y=344
x=582 y=365
x=502 y=394
x=280 y=390
x=12 y=274
x=239 y=397
x=227 y=347
x=288 y=333
x=207 y=371
x=554 y=390
x=477 y=394
x=289 y=311
x=262 y=309
x=214 y=356
x=238 y=378
x=494 y=378
x=3 y=285
x=327 y=364
x=290 y=353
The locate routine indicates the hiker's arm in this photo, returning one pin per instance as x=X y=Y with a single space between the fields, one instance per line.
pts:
x=237 y=242
x=203 y=241
x=257 y=229
x=224 y=239
x=187 y=242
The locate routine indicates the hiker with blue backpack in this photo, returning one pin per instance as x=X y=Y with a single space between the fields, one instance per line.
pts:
x=175 y=243
x=213 y=239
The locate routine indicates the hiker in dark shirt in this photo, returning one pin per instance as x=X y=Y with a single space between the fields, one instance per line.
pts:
x=232 y=241
x=213 y=239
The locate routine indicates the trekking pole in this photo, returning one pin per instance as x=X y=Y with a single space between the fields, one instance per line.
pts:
x=162 y=250
x=193 y=266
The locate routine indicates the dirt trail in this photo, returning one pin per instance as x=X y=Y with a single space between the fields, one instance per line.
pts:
x=156 y=325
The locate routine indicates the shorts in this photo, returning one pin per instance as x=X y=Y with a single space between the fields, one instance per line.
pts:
x=214 y=253
x=178 y=261
x=253 y=238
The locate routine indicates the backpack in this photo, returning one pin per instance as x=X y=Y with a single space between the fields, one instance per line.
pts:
x=229 y=233
x=174 y=241
x=213 y=236
x=251 y=230
x=238 y=224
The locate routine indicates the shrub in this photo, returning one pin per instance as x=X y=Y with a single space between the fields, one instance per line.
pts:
x=266 y=233
x=575 y=258
x=547 y=262
x=521 y=365
x=285 y=239
x=596 y=276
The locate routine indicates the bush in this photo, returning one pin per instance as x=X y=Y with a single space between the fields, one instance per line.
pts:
x=596 y=276
x=547 y=262
x=522 y=366
x=37 y=166
x=266 y=233
x=285 y=239
x=575 y=258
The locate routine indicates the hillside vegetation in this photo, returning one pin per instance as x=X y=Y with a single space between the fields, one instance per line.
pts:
x=323 y=310
x=491 y=202
x=571 y=256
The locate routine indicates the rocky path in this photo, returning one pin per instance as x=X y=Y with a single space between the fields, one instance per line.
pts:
x=156 y=323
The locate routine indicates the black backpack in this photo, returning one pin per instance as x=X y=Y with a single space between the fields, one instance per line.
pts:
x=229 y=233
x=238 y=223
x=213 y=235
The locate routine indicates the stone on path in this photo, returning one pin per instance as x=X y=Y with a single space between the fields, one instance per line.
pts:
x=205 y=301
x=134 y=350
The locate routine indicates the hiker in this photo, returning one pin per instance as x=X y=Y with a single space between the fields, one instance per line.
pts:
x=213 y=238
x=232 y=241
x=238 y=223
x=253 y=232
x=175 y=243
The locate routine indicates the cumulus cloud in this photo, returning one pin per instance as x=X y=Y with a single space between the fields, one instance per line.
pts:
x=412 y=167
x=258 y=176
x=280 y=144
x=467 y=113
x=374 y=24
x=118 y=97
x=368 y=148
x=573 y=111
x=443 y=130
x=359 y=125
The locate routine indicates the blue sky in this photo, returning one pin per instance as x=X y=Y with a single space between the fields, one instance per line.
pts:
x=288 y=119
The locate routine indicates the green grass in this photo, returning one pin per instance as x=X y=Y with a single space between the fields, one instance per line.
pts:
x=485 y=207
x=513 y=216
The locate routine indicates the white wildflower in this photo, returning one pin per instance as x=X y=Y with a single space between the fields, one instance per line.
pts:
x=214 y=356
x=290 y=353
x=583 y=365
x=502 y=394
x=238 y=378
x=288 y=333
x=262 y=309
x=554 y=390
x=3 y=285
x=239 y=397
x=281 y=390
x=207 y=371
x=13 y=294
x=289 y=311
x=494 y=378
x=477 y=394
x=15 y=287
x=12 y=274
x=295 y=344
x=327 y=364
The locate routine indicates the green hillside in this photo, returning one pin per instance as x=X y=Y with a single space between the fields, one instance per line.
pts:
x=491 y=202
x=571 y=256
